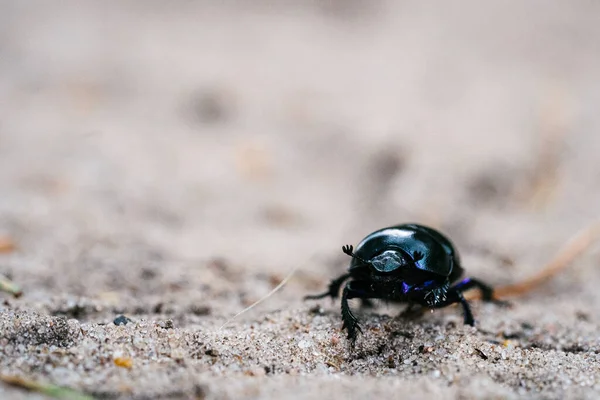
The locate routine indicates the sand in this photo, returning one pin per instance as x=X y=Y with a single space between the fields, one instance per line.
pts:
x=172 y=162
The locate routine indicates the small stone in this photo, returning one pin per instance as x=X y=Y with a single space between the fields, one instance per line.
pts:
x=7 y=245
x=121 y=320
x=200 y=310
x=123 y=362
x=139 y=342
x=305 y=344
x=317 y=310
x=391 y=363
x=178 y=354
x=258 y=371
x=212 y=353
x=167 y=324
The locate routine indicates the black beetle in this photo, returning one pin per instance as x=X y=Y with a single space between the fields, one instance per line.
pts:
x=406 y=263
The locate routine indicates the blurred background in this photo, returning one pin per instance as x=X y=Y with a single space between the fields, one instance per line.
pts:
x=184 y=156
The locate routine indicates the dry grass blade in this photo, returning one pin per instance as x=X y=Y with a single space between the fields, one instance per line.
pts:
x=573 y=249
x=7 y=245
x=9 y=287
x=54 y=391
x=265 y=297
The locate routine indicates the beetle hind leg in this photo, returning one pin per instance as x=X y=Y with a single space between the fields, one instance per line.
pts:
x=333 y=291
x=454 y=295
x=487 y=292
x=468 y=315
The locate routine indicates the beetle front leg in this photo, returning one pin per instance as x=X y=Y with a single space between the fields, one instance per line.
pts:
x=354 y=289
x=350 y=323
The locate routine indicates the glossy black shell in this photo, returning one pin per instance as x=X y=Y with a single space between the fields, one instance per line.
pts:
x=439 y=256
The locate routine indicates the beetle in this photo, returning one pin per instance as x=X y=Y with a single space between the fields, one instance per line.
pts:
x=406 y=263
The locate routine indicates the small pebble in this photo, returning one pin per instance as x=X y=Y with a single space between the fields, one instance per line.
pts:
x=167 y=324
x=212 y=353
x=305 y=344
x=7 y=245
x=200 y=310
x=123 y=362
x=317 y=310
x=121 y=320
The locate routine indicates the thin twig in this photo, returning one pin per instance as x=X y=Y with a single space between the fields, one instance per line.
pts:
x=573 y=249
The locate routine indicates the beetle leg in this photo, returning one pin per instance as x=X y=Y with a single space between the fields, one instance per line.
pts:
x=487 y=293
x=468 y=315
x=454 y=295
x=437 y=295
x=333 y=291
x=354 y=289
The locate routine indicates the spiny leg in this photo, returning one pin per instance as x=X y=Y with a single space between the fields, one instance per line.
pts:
x=333 y=291
x=487 y=292
x=468 y=315
x=353 y=289
x=455 y=296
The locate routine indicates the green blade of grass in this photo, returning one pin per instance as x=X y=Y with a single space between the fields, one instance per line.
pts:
x=58 y=392
x=9 y=287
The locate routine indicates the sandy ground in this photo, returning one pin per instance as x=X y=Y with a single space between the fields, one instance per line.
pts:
x=173 y=161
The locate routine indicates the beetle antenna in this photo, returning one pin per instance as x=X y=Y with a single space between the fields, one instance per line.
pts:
x=348 y=249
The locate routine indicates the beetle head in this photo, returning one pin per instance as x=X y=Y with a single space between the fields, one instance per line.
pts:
x=389 y=263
